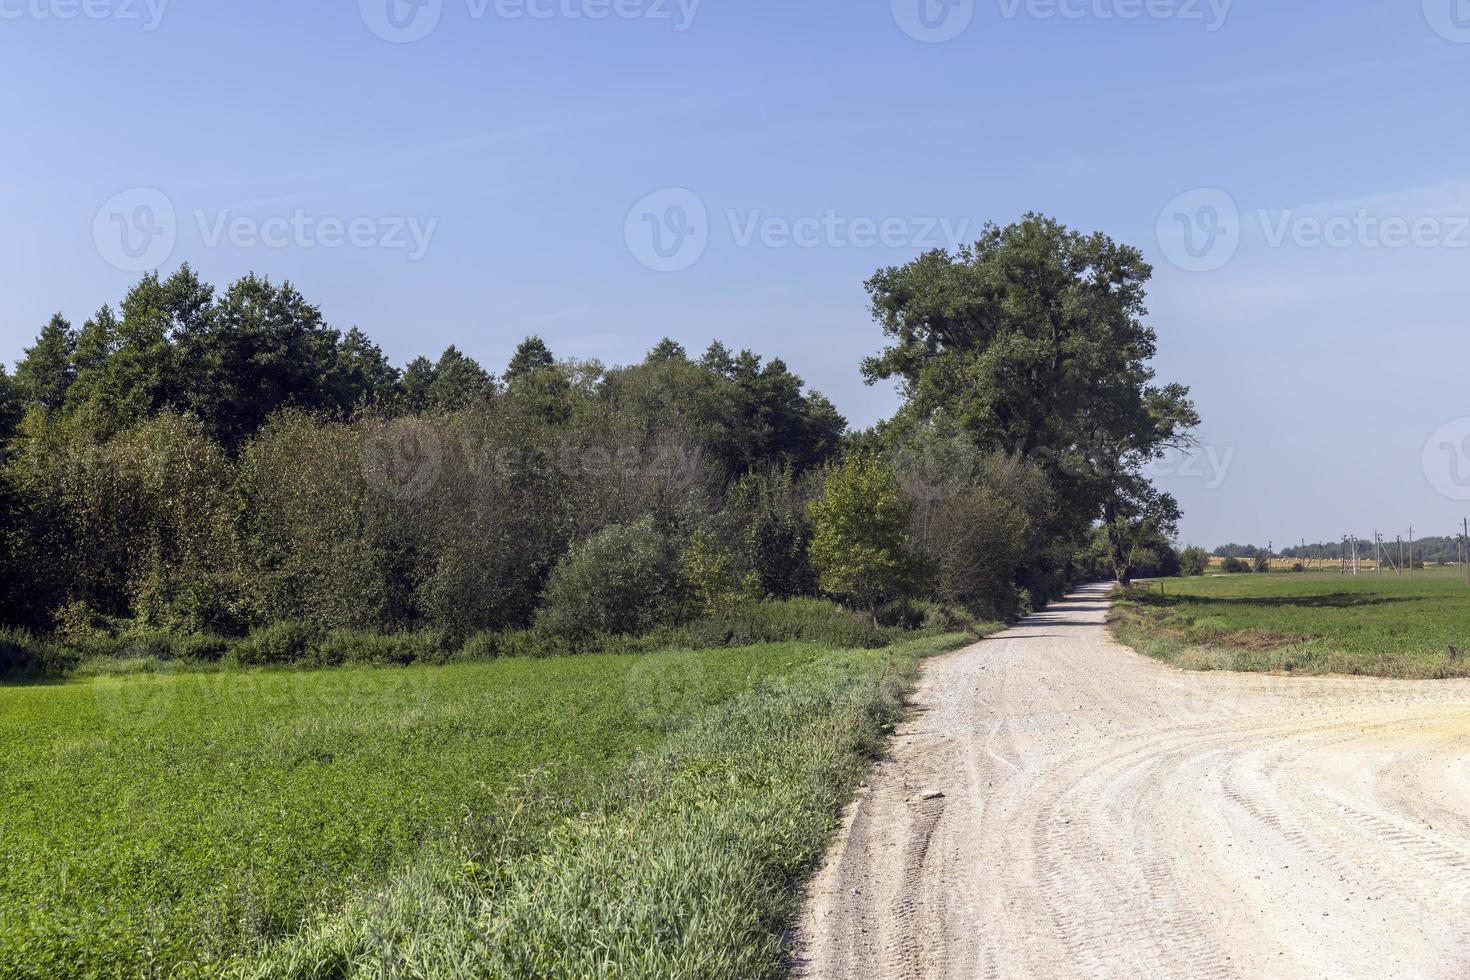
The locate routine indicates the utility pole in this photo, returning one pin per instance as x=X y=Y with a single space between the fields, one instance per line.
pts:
x=1378 y=552
x=1411 y=551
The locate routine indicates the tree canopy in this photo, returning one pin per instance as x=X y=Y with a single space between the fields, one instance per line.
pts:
x=1032 y=341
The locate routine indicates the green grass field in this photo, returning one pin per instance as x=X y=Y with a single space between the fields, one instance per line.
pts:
x=1317 y=623
x=619 y=815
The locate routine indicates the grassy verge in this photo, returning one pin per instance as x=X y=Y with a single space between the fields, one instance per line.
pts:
x=1304 y=623
x=600 y=815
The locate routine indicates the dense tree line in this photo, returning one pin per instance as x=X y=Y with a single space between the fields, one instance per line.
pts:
x=1445 y=550
x=217 y=462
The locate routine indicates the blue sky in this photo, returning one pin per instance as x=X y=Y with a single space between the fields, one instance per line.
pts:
x=492 y=179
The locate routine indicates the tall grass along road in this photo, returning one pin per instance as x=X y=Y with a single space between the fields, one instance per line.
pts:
x=1062 y=806
x=617 y=816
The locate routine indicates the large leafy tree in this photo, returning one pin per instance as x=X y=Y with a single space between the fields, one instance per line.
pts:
x=129 y=367
x=11 y=409
x=418 y=377
x=531 y=355
x=780 y=423
x=860 y=533
x=536 y=384
x=96 y=342
x=262 y=348
x=48 y=369
x=458 y=381
x=360 y=373
x=1033 y=341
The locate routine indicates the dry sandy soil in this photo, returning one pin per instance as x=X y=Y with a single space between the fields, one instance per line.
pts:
x=1103 y=815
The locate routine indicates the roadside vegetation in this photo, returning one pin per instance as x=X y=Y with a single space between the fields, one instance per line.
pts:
x=1308 y=623
x=194 y=467
x=597 y=815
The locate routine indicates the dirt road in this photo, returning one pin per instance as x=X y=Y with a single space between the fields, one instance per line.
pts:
x=1106 y=816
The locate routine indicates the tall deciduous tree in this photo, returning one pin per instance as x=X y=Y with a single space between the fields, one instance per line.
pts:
x=860 y=528
x=534 y=382
x=11 y=408
x=530 y=356
x=49 y=367
x=458 y=381
x=360 y=373
x=1033 y=340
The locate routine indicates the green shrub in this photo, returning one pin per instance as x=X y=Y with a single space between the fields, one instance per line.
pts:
x=1235 y=566
x=366 y=648
x=622 y=580
x=278 y=645
x=925 y=614
x=710 y=578
x=1194 y=561
x=481 y=646
x=25 y=655
x=143 y=641
x=779 y=621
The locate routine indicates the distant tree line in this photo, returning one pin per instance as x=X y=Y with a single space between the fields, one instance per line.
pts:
x=1433 y=550
x=217 y=462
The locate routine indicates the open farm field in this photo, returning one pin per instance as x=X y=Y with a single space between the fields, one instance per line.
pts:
x=555 y=816
x=1315 y=623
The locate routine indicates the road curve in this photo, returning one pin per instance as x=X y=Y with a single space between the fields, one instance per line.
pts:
x=1103 y=815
